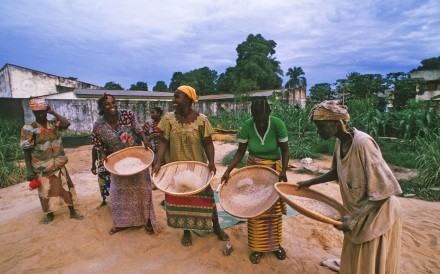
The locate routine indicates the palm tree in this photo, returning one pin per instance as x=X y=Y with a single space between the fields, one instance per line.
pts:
x=296 y=80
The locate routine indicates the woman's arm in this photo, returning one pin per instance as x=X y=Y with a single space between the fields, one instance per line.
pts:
x=160 y=156
x=284 y=161
x=332 y=175
x=210 y=153
x=238 y=156
x=64 y=123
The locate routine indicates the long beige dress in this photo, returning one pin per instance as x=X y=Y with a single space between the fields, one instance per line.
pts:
x=374 y=244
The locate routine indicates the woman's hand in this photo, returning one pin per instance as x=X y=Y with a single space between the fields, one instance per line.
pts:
x=93 y=169
x=50 y=110
x=212 y=168
x=155 y=169
x=225 y=177
x=305 y=184
x=30 y=175
x=348 y=223
x=147 y=145
x=282 y=177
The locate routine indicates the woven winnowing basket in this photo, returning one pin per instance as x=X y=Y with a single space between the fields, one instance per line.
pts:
x=263 y=178
x=164 y=179
x=146 y=156
x=287 y=189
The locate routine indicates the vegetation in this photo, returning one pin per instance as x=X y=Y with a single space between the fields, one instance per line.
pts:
x=160 y=86
x=143 y=86
x=113 y=86
x=10 y=154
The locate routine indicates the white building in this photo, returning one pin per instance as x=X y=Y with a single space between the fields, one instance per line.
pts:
x=20 y=82
x=432 y=93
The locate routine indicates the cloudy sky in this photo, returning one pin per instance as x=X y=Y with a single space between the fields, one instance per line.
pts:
x=98 y=41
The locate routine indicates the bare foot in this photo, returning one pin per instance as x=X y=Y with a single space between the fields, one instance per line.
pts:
x=222 y=236
x=48 y=218
x=76 y=216
x=114 y=230
x=186 y=239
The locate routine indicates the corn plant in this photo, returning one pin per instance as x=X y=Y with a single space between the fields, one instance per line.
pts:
x=428 y=160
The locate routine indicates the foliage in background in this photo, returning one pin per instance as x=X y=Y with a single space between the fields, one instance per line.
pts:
x=113 y=86
x=411 y=186
x=228 y=158
x=10 y=152
x=142 y=86
x=428 y=159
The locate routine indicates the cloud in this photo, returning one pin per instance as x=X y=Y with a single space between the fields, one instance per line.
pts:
x=100 y=41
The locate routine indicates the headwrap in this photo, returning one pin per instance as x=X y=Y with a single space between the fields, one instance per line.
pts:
x=329 y=110
x=37 y=104
x=190 y=91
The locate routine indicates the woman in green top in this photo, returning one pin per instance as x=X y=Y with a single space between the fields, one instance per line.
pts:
x=265 y=137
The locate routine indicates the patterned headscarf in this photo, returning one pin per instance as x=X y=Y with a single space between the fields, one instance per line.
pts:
x=329 y=110
x=37 y=104
x=190 y=91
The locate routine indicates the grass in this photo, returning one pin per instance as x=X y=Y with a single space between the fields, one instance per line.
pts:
x=228 y=158
x=10 y=153
x=412 y=187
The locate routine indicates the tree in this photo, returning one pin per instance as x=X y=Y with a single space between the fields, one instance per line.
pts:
x=113 y=86
x=202 y=79
x=362 y=85
x=160 y=86
x=176 y=81
x=296 y=79
x=404 y=88
x=256 y=65
x=321 y=92
x=139 y=86
x=429 y=64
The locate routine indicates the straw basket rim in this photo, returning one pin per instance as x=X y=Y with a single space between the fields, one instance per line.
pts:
x=157 y=181
x=227 y=191
x=134 y=151
x=286 y=188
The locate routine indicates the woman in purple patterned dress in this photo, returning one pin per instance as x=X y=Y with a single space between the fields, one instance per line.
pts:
x=131 y=196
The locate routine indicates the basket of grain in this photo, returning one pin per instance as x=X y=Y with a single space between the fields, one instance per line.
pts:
x=249 y=192
x=311 y=203
x=129 y=161
x=183 y=178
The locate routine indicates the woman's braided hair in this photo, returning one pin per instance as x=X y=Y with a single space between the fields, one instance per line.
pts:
x=260 y=106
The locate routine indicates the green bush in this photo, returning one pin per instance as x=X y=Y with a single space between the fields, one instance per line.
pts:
x=428 y=160
x=10 y=152
x=228 y=158
x=411 y=186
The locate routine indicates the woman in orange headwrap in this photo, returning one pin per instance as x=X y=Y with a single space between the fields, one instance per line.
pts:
x=372 y=228
x=186 y=136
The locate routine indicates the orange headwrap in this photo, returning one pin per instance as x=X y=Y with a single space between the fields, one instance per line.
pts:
x=37 y=104
x=329 y=110
x=190 y=91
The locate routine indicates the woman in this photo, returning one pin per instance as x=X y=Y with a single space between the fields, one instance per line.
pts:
x=186 y=136
x=372 y=228
x=46 y=161
x=131 y=196
x=265 y=136
x=151 y=129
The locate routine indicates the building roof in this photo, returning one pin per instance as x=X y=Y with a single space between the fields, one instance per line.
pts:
x=124 y=94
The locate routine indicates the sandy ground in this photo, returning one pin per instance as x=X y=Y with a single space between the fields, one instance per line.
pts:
x=71 y=246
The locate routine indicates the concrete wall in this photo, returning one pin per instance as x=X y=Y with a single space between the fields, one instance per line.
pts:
x=18 y=82
x=82 y=114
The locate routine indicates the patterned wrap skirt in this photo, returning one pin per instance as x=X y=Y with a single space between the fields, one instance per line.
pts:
x=132 y=200
x=194 y=212
x=265 y=232
x=56 y=190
